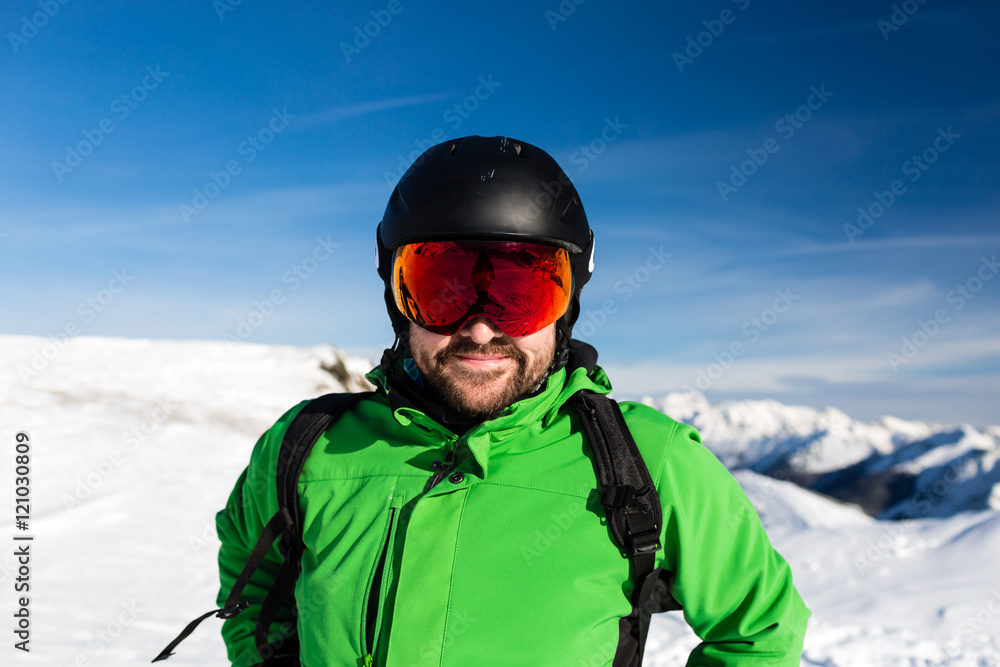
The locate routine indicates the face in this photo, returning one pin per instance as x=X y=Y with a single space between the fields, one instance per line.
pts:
x=480 y=370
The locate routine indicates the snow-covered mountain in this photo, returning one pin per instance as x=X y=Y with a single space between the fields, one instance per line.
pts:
x=891 y=468
x=136 y=444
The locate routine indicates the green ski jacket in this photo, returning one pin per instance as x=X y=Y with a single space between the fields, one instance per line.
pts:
x=506 y=561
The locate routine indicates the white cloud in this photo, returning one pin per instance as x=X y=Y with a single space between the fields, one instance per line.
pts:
x=338 y=113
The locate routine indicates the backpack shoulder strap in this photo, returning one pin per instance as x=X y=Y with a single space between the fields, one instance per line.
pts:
x=306 y=427
x=629 y=498
x=311 y=422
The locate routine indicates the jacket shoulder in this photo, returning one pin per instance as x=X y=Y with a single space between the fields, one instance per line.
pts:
x=659 y=436
x=264 y=460
x=262 y=469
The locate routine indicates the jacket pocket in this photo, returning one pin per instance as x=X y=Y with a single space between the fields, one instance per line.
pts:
x=378 y=585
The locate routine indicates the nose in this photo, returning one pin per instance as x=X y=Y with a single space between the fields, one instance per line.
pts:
x=481 y=330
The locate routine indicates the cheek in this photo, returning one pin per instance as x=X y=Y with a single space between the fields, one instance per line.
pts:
x=540 y=345
x=424 y=345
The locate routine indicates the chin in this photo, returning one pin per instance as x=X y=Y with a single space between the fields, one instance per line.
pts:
x=480 y=399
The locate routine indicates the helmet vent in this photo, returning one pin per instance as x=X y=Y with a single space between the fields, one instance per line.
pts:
x=517 y=149
x=453 y=149
x=573 y=203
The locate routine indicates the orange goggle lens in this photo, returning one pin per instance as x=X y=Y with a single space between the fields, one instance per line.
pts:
x=520 y=287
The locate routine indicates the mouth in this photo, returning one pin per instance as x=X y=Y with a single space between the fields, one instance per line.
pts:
x=481 y=361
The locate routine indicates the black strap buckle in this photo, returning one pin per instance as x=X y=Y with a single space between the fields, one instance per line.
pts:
x=624 y=496
x=645 y=543
x=233 y=610
x=643 y=538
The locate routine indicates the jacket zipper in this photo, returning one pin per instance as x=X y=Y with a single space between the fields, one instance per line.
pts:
x=445 y=469
x=372 y=615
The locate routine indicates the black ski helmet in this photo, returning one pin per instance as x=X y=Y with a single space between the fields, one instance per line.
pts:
x=488 y=188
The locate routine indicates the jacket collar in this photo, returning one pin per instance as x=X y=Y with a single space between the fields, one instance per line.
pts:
x=412 y=405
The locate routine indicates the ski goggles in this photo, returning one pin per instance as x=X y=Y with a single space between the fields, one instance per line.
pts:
x=520 y=287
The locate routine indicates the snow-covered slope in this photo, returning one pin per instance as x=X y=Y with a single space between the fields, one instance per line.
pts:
x=951 y=472
x=136 y=444
x=916 y=593
x=785 y=507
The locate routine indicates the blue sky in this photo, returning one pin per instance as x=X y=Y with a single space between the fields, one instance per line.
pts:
x=742 y=153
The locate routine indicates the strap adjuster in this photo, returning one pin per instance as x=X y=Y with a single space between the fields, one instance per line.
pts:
x=233 y=610
x=624 y=496
x=645 y=543
x=643 y=538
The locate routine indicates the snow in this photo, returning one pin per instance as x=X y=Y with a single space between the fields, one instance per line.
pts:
x=922 y=592
x=893 y=468
x=757 y=434
x=136 y=444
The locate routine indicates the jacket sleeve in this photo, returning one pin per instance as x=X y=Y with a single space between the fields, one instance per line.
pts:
x=252 y=503
x=735 y=588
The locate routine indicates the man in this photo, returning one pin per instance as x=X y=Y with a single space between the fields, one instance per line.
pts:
x=450 y=518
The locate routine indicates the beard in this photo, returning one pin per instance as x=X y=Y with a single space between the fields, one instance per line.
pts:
x=482 y=394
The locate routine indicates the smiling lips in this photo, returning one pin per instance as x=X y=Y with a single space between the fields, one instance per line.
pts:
x=488 y=360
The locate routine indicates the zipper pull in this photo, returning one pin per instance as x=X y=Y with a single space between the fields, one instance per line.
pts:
x=442 y=469
x=369 y=660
